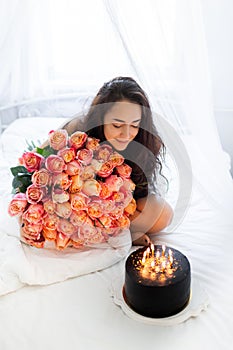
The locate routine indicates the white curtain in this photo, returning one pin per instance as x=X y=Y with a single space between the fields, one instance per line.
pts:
x=49 y=47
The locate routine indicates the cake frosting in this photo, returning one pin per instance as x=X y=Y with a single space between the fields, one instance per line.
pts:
x=157 y=281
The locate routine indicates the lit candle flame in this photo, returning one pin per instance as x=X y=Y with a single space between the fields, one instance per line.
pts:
x=152 y=249
x=163 y=250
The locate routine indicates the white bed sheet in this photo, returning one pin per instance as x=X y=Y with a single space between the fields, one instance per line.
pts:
x=79 y=313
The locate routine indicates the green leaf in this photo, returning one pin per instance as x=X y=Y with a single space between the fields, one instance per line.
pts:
x=16 y=183
x=45 y=152
x=20 y=169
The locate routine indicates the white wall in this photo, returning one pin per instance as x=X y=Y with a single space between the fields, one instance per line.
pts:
x=218 y=21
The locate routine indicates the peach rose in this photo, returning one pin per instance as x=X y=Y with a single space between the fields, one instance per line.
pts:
x=58 y=139
x=34 y=214
x=131 y=207
x=106 y=169
x=108 y=205
x=122 y=221
x=31 y=230
x=76 y=184
x=32 y=161
x=103 y=221
x=118 y=197
x=92 y=143
x=41 y=178
x=49 y=207
x=124 y=171
x=34 y=194
x=63 y=210
x=49 y=230
x=91 y=188
x=59 y=195
x=78 y=217
x=55 y=164
x=17 y=204
x=88 y=172
x=117 y=211
x=67 y=154
x=128 y=184
x=62 y=180
x=77 y=139
x=78 y=201
x=74 y=168
x=95 y=209
x=103 y=152
x=116 y=158
x=105 y=190
x=85 y=156
x=114 y=182
x=90 y=235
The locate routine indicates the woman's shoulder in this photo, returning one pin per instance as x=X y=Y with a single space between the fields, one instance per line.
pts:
x=74 y=124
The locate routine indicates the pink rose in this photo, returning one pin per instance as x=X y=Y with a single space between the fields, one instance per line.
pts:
x=91 y=188
x=67 y=154
x=117 y=211
x=78 y=201
x=63 y=210
x=55 y=164
x=62 y=180
x=92 y=143
x=59 y=195
x=62 y=241
x=77 y=139
x=128 y=184
x=108 y=206
x=124 y=171
x=17 y=204
x=40 y=178
x=88 y=172
x=106 y=169
x=85 y=156
x=34 y=213
x=58 y=139
x=32 y=161
x=114 y=182
x=74 y=168
x=90 y=235
x=35 y=194
x=103 y=152
x=79 y=217
x=66 y=227
x=76 y=184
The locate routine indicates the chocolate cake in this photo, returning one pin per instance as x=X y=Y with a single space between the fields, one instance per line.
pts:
x=157 y=281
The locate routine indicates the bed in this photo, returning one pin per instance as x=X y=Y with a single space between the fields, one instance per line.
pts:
x=50 y=303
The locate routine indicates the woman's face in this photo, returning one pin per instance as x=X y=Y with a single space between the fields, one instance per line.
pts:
x=121 y=123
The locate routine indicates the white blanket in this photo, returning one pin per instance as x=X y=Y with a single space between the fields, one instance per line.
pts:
x=79 y=313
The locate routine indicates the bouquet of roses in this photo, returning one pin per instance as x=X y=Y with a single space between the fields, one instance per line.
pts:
x=74 y=192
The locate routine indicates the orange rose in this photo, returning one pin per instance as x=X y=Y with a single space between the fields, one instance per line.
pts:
x=67 y=154
x=92 y=143
x=95 y=209
x=124 y=171
x=76 y=184
x=116 y=158
x=62 y=241
x=131 y=207
x=106 y=169
x=78 y=201
x=17 y=204
x=62 y=180
x=77 y=139
x=78 y=217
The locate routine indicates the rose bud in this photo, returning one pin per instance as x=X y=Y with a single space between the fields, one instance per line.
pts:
x=63 y=210
x=106 y=169
x=114 y=182
x=58 y=139
x=17 y=204
x=74 y=168
x=103 y=152
x=77 y=139
x=62 y=241
x=92 y=143
x=91 y=188
x=85 y=156
x=34 y=194
x=76 y=184
x=55 y=164
x=32 y=161
x=67 y=154
x=124 y=171
x=41 y=178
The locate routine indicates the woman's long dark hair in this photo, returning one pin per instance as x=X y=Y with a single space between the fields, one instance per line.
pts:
x=145 y=163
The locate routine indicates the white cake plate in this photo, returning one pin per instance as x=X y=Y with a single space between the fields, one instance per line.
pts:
x=199 y=301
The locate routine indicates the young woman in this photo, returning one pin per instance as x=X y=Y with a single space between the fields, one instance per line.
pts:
x=120 y=115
